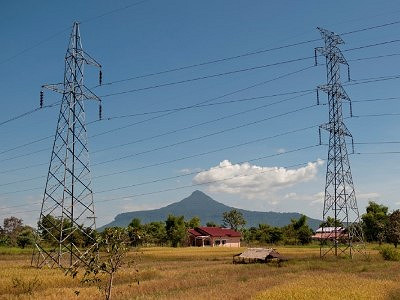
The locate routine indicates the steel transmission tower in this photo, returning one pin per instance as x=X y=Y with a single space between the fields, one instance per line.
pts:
x=340 y=204
x=67 y=217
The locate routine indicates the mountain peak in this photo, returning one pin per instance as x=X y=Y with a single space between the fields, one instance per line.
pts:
x=207 y=209
x=198 y=193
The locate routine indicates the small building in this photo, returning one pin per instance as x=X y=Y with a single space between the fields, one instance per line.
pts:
x=257 y=255
x=330 y=233
x=214 y=237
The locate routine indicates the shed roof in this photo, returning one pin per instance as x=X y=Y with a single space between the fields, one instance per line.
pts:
x=260 y=253
x=330 y=229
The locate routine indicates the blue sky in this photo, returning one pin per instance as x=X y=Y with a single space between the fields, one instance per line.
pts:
x=154 y=36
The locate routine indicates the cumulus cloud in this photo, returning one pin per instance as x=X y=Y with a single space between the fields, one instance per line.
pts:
x=281 y=150
x=188 y=170
x=253 y=181
x=313 y=199
x=368 y=196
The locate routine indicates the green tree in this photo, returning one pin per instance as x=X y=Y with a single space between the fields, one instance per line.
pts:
x=297 y=232
x=233 y=219
x=275 y=235
x=393 y=228
x=193 y=222
x=113 y=245
x=375 y=221
x=176 y=230
x=26 y=237
x=12 y=226
x=250 y=234
x=211 y=224
x=330 y=222
x=135 y=232
x=154 y=233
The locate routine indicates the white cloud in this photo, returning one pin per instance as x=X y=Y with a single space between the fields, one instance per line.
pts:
x=251 y=181
x=313 y=199
x=188 y=170
x=281 y=150
x=368 y=196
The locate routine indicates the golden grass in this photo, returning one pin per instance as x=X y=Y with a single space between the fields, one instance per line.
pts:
x=208 y=273
x=331 y=287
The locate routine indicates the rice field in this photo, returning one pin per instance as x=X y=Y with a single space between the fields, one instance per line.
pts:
x=208 y=273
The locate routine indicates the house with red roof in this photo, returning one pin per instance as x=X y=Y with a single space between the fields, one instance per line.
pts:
x=214 y=237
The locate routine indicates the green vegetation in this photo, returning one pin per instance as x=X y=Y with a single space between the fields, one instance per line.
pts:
x=233 y=219
x=113 y=244
x=381 y=226
x=389 y=253
x=295 y=233
x=14 y=233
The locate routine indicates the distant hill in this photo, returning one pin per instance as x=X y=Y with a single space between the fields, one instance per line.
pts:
x=207 y=209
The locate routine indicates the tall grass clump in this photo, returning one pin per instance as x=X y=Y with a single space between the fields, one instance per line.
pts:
x=389 y=253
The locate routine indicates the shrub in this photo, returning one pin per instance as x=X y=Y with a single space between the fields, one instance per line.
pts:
x=389 y=253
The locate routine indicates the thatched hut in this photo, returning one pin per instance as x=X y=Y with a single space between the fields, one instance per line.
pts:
x=257 y=255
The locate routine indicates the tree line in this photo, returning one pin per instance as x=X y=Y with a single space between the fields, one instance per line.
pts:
x=378 y=226
x=381 y=226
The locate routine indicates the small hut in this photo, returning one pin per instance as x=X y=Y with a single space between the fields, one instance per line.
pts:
x=257 y=255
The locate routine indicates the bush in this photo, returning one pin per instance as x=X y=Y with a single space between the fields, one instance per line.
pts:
x=389 y=253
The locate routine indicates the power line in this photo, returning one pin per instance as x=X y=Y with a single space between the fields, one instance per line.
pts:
x=204 y=153
x=24 y=155
x=232 y=72
x=65 y=29
x=377 y=143
x=208 y=135
x=207 y=76
x=208 y=100
x=28 y=113
x=221 y=118
x=377 y=153
x=188 y=127
x=113 y=11
x=193 y=155
x=198 y=172
x=184 y=141
x=377 y=115
x=214 y=181
x=204 y=105
x=354 y=82
x=172 y=112
x=250 y=53
x=370 y=28
x=213 y=75
x=203 y=123
x=26 y=144
x=372 y=45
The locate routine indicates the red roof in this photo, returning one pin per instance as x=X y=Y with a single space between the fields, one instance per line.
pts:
x=194 y=232
x=214 y=231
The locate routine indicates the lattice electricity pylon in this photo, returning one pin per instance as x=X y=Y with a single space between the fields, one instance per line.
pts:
x=67 y=217
x=340 y=204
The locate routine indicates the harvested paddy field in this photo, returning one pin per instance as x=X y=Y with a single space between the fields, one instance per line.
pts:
x=208 y=273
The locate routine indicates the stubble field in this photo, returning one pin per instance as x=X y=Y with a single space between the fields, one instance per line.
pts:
x=208 y=273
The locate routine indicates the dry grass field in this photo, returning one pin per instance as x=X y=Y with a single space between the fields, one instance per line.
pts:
x=208 y=273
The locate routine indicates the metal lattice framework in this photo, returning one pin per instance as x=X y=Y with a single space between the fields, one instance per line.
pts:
x=67 y=217
x=340 y=204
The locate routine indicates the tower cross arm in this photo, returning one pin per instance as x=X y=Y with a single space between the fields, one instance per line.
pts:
x=333 y=53
x=339 y=130
x=90 y=60
x=88 y=94
x=335 y=89
x=55 y=87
